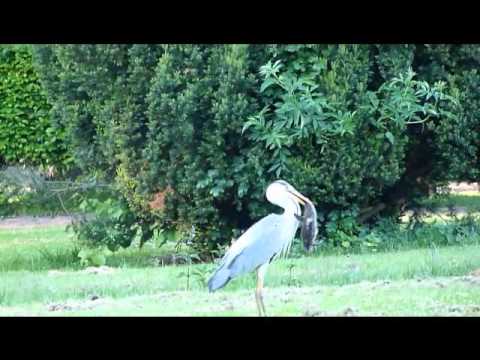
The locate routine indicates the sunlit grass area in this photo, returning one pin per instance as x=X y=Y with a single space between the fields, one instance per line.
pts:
x=431 y=270
x=308 y=285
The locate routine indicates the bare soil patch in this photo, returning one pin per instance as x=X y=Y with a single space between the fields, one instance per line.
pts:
x=34 y=221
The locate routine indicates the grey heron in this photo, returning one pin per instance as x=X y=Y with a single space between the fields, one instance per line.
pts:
x=265 y=240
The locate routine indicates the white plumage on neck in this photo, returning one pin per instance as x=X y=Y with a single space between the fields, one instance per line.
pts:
x=278 y=195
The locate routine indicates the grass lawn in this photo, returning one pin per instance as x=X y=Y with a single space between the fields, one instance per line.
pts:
x=40 y=275
x=469 y=200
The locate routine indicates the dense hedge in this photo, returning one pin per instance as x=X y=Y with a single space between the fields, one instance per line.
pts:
x=350 y=125
x=152 y=116
x=26 y=134
x=371 y=138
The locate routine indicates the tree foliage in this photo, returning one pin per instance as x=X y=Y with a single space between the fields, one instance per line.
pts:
x=158 y=117
x=200 y=130
x=199 y=100
x=26 y=135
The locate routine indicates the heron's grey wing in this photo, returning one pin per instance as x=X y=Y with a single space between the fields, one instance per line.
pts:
x=258 y=245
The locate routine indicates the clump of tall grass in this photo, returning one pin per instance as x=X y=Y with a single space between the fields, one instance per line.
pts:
x=419 y=232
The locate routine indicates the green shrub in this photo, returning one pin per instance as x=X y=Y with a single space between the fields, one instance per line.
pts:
x=28 y=191
x=363 y=135
x=26 y=134
x=108 y=224
x=94 y=256
x=346 y=236
x=153 y=117
x=349 y=125
x=199 y=100
x=344 y=159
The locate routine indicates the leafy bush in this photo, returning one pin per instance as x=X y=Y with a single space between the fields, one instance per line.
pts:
x=363 y=138
x=389 y=235
x=26 y=134
x=108 y=223
x=361 y=129
x=160 y=117
x=199 y=100
x=94 y=256
x=9 y=198
x=28 y=191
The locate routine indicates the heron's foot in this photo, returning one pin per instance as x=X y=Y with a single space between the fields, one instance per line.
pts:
x=263 y=306
x=260 y=305
x=261 y=312
x=259 y=290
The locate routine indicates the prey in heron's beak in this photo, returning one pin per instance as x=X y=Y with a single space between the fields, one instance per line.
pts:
x=309 y=229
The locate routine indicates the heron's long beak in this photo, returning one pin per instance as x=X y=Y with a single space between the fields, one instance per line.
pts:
x=301 y=199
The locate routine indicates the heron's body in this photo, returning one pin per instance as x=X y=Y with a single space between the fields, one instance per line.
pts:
x=263 y=241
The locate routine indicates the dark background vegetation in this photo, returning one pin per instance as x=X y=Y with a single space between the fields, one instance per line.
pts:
x=188 y=136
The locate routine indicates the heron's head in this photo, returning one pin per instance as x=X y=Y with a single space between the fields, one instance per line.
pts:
x=283 y=194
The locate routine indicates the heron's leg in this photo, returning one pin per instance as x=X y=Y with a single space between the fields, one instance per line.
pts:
x=259 y=291
x=259 y=296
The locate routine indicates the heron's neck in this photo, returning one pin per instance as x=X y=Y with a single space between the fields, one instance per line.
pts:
x=291 y=208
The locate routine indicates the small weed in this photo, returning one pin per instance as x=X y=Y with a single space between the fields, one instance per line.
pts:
x=3 y=297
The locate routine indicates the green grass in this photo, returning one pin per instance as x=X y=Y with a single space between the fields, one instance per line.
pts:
x=33 y=204
x=39 y=249
x=468 y=200
x=35 y=249
x=416 y=273
x=294 y=287
x=439 y=297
